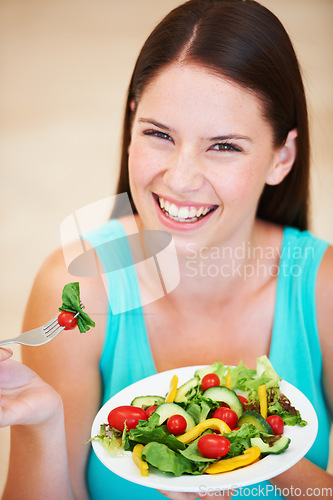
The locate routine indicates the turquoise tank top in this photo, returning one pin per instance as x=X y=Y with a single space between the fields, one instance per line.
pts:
x=295 y=349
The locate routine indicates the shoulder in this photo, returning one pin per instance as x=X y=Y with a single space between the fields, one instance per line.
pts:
x=53 y=275
x=44 y=302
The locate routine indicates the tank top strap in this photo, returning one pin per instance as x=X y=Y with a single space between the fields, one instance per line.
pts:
x=295 y=347
x=295 y=309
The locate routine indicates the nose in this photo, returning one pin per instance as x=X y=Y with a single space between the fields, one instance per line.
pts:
x=183 y=174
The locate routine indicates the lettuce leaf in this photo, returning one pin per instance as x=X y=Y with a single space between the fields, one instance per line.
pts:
x=240 y=439
x=289 y=414
x=200 y=407
x=149 y=430
x=71 y=303
x=192 y=453
x=111 y=441
x=264 y=366
x=241 y=375
x=163 y=458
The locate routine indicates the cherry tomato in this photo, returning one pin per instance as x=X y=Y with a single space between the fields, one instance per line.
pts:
x=210 y=380
x=150 y=410
x=276 y=423
x=244 y=401
x=213 y=446
x=176 y=424
x=129 y=414
x=67 y=319
x=227 y=415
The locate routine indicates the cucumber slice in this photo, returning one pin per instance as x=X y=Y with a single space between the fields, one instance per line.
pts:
x=278 y=447
x=225 y=395
x=166 y=410
x=254 y=418
x=185 y=390
x=146 y=401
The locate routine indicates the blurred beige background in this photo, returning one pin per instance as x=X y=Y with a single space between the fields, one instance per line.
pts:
x=65 y=67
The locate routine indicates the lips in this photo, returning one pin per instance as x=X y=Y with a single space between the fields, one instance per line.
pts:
x=184 y=213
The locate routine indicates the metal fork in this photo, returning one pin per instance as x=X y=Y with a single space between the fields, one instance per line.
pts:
x=39 y=336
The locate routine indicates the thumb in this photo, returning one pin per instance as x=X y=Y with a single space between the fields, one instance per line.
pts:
x=5 y=353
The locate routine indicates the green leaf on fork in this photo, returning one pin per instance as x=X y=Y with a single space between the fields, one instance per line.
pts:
x=71 y=302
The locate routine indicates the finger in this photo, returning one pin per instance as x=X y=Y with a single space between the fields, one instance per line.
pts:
x=173 y=495
x=5 y=353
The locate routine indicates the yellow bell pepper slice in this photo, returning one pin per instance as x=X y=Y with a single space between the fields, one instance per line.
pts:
x=262 y=393
x=228 y=380
x=249 y=456
x=215 y=424
x=172 y=390
x=143 y=466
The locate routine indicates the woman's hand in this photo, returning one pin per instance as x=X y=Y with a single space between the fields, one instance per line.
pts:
x=32 y=408
x=193 y=496
x=25 y=399
x=179 y=496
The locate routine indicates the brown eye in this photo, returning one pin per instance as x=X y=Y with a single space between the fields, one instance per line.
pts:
x=159 y=134
x=225 y=146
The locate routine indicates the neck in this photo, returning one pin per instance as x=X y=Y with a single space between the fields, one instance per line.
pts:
x=240 y=266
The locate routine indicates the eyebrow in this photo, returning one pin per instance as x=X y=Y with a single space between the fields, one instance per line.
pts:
x=156 y=124
x=230 y=136
x=210 y=139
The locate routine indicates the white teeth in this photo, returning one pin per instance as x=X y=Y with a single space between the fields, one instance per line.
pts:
x=166 y=205
x=183 y=213
x=173 y=210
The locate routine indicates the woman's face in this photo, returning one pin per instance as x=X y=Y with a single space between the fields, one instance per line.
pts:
x=200 y=155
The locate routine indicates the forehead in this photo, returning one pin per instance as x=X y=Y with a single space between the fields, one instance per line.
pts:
x=201 y=94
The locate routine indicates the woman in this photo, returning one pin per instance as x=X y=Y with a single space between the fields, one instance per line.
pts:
x=216 y=152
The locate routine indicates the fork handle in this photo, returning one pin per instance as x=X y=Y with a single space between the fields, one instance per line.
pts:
x=9 y=341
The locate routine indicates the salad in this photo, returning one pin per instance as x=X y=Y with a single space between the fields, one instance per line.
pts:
x=221 y=419
x=71 y=310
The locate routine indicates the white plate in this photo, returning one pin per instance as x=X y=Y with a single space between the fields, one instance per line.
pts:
x=302 y=439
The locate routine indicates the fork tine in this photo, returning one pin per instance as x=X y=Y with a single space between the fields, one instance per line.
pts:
x=52 y=328
x=55 y=332
x=51 y=334
x=48 y=326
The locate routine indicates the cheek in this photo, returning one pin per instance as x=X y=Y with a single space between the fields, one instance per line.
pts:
x=137 y=171
x=242 y=186
x=142 y=167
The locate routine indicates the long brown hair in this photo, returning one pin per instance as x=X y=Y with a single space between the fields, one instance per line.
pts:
x=245 y=42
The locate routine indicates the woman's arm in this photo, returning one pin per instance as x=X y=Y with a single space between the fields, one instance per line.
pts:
x=69 y=364
x=325 y=320
x=306 y=480
x=305 y=474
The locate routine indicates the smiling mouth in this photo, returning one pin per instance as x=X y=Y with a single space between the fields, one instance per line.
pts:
x=183 y=213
